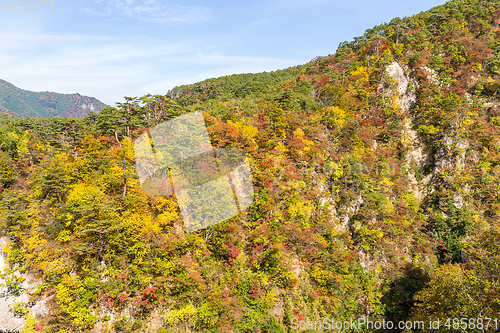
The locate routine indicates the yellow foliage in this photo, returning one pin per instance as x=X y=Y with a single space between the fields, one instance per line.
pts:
x=115 y=171
x=299 y=134
x=264 y=279
x=160 y=203
x=167 y=216
x=361 y=70
x=337 y=117
x=299 y=209
x=250 y=131
x=67 y=291
x=64 y=236
x=30 y=324
x=139 y=251
x=281 y=150
x=173 y=317
x=395 y=103
x=22 y=144
x=386 y=182
x=320 y=275
x=238 y=124
x=139 y=224
x=126 y=151
x=452 y=291
x=371 y=235
x=484 y=166
x=84 y=194
x=34 y=243
x=334 y=168
x=398 y=49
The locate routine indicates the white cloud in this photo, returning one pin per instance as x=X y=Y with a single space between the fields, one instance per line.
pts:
x=222 y=65
x=152 y=11
x=111 y=67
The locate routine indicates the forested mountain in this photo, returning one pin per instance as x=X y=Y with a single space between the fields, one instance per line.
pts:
x=376 y=181
x=25 y=103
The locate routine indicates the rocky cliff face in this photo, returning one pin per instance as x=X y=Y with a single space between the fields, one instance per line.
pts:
x=450 y=154
x=14 y=301
x=373 y=168
x=24 y=103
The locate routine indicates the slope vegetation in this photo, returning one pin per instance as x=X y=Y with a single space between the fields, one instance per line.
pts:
x=24 y=103
x=376 y=180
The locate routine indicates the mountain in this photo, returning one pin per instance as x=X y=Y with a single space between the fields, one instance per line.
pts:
x=25 y=103
x=375 y=174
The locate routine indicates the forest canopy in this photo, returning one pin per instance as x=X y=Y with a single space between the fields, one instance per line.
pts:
x=375 y=172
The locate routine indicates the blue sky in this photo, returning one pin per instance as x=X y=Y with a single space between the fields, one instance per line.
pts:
x=109 y=49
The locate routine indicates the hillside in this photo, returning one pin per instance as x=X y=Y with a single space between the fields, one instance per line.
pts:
x=237 y=86
x=376 y=182
x=24 y=103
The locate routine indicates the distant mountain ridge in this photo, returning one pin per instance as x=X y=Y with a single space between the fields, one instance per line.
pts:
x=24 y=103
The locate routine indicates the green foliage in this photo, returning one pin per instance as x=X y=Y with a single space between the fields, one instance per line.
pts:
x=470 y=289
x=357 y=192
x=24 y=103
x=450 y=231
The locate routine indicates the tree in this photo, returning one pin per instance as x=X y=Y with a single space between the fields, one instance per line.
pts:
x=56 y=177
x=92 y=217
x=465 y=290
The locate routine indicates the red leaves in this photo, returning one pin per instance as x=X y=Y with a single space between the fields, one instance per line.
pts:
x=108 y=303
x=149 y=292
x=106 y=300
x=123 y=297
x=233 y=250
x=296 y=313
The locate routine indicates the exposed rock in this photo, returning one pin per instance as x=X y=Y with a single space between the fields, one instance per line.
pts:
x=406 y=95
x=458 y=201
x=8 y=320
x=416 y=154
x=406 y=98
x=154 y=321
x=430 y=75
x=278 y=310
x=296 y=267
x=353 y=209
x=450 y=154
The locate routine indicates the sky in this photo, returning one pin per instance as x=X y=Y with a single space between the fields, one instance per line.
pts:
x=109 y=49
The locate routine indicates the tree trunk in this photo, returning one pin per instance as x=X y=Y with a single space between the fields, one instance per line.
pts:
x=124 y=188
x=116 y=137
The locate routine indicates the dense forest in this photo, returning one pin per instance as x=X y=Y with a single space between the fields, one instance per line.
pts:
x=376 y=174
x=24 y=103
